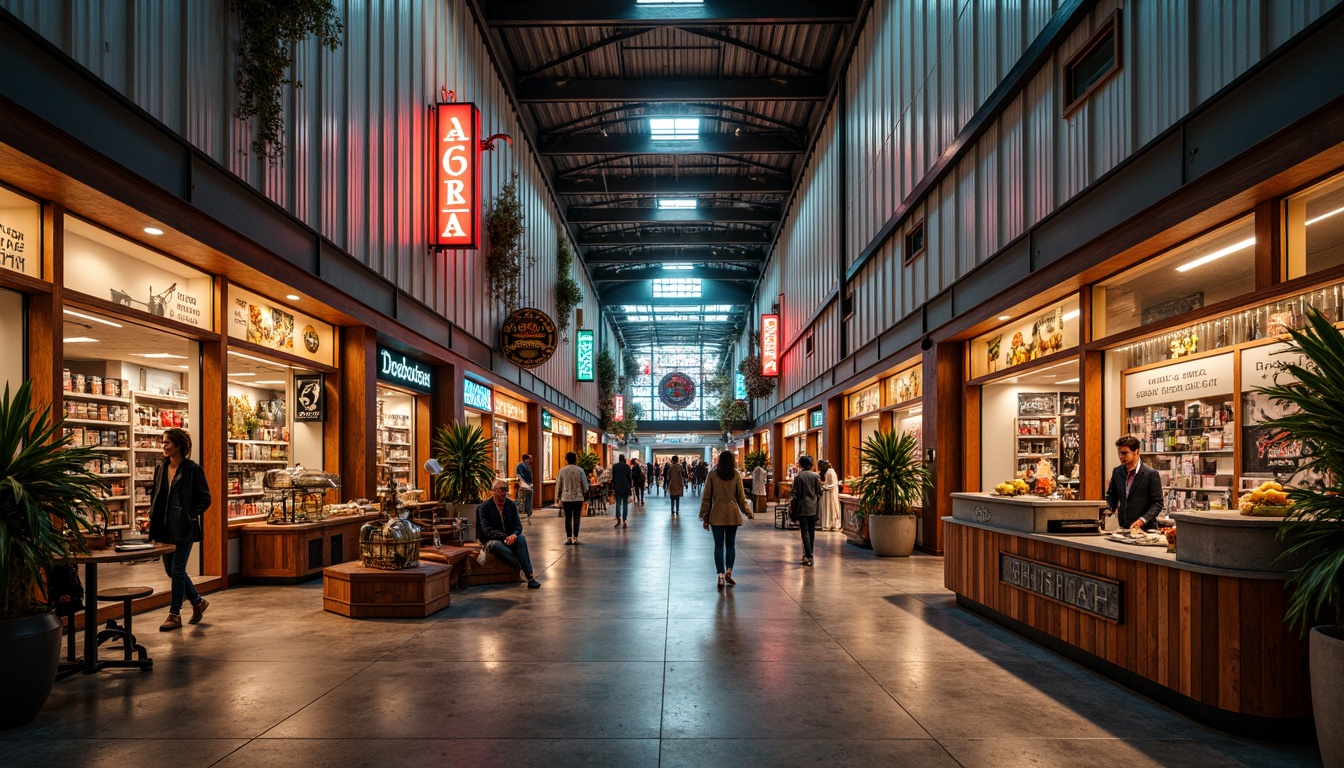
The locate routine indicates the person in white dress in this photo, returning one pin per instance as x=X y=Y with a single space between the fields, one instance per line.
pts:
x=830 y=497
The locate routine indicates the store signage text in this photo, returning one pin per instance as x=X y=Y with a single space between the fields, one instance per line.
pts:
x=12 y=248
x=583 y=354
x=476 y=396
x=398 y=369
x=769 y=345
x=510 y=409
x=866 y=401
x=457 y=174
x=545 y=419
x=816 y=419
x=1180 y=381
x=740 y=387
x=795 y=426
x=562 y=428
x=527 y=338
x=310 y=398
x=619 y=402
x=1099 y=597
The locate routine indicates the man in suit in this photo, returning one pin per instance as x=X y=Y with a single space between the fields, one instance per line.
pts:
x=501 y=531
x=1135 y=491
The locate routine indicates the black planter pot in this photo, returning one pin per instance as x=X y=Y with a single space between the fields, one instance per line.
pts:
x=30 y=652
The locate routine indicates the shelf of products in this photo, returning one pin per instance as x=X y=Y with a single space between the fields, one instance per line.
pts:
x=102 y=422
x=153 y=414
x=1191 y=445
x=1037 y=439
x=248 y=462
x=393 y=446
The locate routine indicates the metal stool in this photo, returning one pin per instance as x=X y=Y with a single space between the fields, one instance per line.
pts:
x=597 y=502
x=123 y=631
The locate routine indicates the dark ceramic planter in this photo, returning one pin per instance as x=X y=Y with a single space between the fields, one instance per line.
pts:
x=30 y=652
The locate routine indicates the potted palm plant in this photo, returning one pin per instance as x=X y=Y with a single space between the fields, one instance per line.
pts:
x=891 y=485
x=463 y=453
x=588 y=460
x=1313 y=529
x=46 y=498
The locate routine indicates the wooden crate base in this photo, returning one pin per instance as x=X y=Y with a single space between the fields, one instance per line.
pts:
x=352 y=590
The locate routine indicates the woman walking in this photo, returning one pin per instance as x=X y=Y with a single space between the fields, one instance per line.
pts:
x=637 y=480
x=806 y=504
x=721 y=511
x=676 y=483
x=830 y=497
x=571 y=487
x=179 y=498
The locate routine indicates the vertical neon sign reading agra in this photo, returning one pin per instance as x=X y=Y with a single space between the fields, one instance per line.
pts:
x=458 y=175
x=769 y=345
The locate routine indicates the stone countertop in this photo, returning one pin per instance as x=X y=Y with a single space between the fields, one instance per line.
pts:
x=1102 y=544
x=1232 y=519
x=1029 y=501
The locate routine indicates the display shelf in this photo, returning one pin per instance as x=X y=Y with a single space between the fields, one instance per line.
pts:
x=258 y=442
x=109 y=448
x=100 y=422
x=276 y=462
x=96 y=398
x=1222 y=452
x=115 y=498
x=1198 y=489
x=247 y=495
x=112 y=474
x=162 y=398
x=248 y=518
x=151 y=431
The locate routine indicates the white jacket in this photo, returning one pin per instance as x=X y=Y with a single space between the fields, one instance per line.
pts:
x=571 y=483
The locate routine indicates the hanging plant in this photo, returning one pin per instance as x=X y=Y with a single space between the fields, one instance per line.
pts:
x=568 y=292
x=626 y=426
x=504 y=254
x=606 y=388
x=758 y=386
x=732 y=414
x=629 y=363
x=270 y=31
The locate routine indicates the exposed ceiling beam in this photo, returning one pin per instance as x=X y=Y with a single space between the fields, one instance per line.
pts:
x=670 y=236
x=654 y=270
x=657 y=185
x=642 y=293
x=584 y=51
x=578 y=123
x=678 y=89
x=763 y=53
x=621 y=13
x=607 y=215
x=674 y=256
x=643 y=144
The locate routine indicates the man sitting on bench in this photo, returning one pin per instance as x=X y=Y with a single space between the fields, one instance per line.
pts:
x=501 y=531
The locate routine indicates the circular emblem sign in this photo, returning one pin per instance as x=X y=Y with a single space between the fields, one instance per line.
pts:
x=527 y=338
x=311 y=341
x=676 y=390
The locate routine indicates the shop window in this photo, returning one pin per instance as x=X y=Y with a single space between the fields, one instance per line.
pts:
x=20 y=234
x=914 y=242
x=1093 y=64
x=13 y=359
x=1315 y=227
x=1029 y=428
x=1204 y=271
x=808 y=346
x=1026 y=339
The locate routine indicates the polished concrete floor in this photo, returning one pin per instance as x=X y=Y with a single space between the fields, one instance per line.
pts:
x=627 y=656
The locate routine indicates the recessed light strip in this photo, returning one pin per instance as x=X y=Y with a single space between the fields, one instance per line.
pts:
x=73 y=313
x=1218 y=254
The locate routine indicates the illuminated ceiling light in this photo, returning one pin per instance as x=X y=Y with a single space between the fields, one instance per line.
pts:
x=269 y=381
x=1074 y=380
x=1072 y=314
x=159 y=355
x=73 y=313
x=153 y=231
x=242 y=374
x=676 y=202
x=293 y=296
x=678 y=267
x=1005 y=317
x=80 y=340
x=1202 y=260
x=1324 y=216
x=259 y=360
x=674 y=128
x=669 y=2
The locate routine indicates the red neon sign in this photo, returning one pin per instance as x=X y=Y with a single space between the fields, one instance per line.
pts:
x=457 y=190
x=769 y=345
x=620 y=406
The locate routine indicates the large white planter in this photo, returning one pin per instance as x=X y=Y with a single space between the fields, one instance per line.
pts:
x=1326 y=657
x=892 y=535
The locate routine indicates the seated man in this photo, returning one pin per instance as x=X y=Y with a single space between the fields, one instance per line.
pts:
x=501 y=531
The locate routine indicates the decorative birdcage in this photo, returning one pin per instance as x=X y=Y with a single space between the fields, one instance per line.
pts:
x=297 y=495
x=392 y=543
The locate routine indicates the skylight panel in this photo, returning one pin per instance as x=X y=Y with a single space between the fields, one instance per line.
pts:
x=676 y=202
x=674 y=128
x=676 y=287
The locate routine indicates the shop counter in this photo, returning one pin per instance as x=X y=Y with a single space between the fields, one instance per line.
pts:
x=1032 y=514
x=1231 y=540
x=293 y=553
x=1208 y=640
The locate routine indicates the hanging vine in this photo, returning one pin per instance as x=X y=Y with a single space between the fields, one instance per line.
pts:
x=758 y=386
x=270 y=31
x=568 y=292
x=606 y=389
x=629 y=363
x=504 y=255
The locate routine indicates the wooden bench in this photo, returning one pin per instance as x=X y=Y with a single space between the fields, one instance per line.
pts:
x=350 y=589
x=467 y=572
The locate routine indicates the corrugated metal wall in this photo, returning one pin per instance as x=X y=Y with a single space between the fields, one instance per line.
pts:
x=356 y=133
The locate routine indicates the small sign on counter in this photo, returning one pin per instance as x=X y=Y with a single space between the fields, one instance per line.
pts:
x=1099 y=597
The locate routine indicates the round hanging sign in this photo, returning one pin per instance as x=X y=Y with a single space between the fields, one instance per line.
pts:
x=676 y=390
x=527 y=338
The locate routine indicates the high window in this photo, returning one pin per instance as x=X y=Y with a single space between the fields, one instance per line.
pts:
x=674 y=128
x=676 y=287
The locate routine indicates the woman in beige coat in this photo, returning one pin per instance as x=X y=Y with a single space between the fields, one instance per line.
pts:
x=721 y=509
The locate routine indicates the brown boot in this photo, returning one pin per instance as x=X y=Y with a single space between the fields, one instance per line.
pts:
x=198 y=610
x=174 y=621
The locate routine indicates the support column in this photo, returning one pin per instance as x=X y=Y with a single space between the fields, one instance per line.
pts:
x=534 y=447
x=835 y=434
x=213 y=450
x=358 y=410
x=777 y=454
x=944 y=368
x=45 y=351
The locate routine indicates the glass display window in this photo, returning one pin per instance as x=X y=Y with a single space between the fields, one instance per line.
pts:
x=395 y=446
x=1209 y=269
x=20 y=234
x=1029 y=427
x=1023 y=340
x=1315 y=229
x=13 y=339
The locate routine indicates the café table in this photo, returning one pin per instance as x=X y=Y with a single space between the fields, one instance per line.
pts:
x=90 y=662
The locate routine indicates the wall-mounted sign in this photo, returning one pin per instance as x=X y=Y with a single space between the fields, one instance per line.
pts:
x=795 y=426
x=591 y=438
x=583 y=354
x=1266 y=451
x=457 y=175
x=509 y=408
x=254 y=319
x=396 y=368
x=769 y=345
x=476 y=396
x=310 y=400
x=527 y=338
x=815 y=419
x=676 y=390
x=20 y=225
x=865 y=401
x=562 y=428
x=619 y=402
x=1090 y=594
x=106 y=266
x=1030 y=338
x=739 y=387
x=1186 y=380
x=545 y=419
x=904 y=387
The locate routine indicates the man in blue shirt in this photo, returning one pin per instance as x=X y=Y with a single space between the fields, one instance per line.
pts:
x=501 y=531
x=524 y=473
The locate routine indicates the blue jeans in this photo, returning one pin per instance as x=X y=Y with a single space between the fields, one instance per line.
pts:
x=175 y=565
x=515 y=556
x=725 y=546
x=622 y=507
x=525 y=502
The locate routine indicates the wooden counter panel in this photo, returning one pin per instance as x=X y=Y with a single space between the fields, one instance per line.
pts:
x=285 y=553
x=1216 y=639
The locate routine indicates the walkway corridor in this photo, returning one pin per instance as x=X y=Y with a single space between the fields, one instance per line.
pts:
x=628 y=656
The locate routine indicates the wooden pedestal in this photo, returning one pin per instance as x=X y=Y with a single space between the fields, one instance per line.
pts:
x=352 y=590
x=293 y=553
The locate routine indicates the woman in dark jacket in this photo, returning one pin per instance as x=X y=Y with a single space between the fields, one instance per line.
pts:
x=177 y=502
